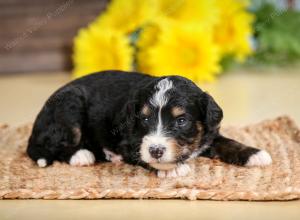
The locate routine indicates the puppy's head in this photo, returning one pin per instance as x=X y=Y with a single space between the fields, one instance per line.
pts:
x=171 y=120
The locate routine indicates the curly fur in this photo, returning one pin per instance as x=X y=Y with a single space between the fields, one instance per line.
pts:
x=106 y=110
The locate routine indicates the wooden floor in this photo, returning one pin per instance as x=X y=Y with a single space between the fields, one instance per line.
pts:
x=244 y=97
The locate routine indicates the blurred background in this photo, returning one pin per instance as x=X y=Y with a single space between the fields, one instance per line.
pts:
x=245 y=53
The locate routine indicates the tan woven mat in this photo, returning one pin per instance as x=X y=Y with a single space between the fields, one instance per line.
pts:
x=20 y=178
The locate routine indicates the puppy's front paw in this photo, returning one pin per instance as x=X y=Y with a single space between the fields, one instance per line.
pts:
x=82 y=157
x=111 y=156
x=261 y=158
x=180 y=170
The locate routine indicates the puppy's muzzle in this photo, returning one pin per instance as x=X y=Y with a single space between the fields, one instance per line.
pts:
x=157 y=150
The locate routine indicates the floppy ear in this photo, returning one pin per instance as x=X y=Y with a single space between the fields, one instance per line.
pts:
x=127 y=117
x=130 y=111
x=211 y=113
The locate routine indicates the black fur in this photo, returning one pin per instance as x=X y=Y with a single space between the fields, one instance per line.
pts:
x=103 y=110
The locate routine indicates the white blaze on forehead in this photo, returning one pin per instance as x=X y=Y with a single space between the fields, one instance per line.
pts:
x=160 y=99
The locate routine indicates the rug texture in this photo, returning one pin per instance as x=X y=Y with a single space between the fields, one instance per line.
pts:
x=20 y=178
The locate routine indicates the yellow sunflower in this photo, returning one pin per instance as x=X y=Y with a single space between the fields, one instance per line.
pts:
x=179 y=49
x=202 y=12
x=97 y=49
x=127 y=15
x=148 y=37
x=234 y=30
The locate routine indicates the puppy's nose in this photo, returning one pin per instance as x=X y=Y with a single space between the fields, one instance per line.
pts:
x=157 y=150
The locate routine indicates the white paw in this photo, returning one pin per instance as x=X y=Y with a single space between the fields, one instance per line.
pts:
x=111 y=156
x=82 y=157
x=42 y=162
x=180 y=170
x=261 y=158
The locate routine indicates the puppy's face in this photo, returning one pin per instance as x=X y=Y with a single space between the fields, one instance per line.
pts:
x=169 y=134
x=171 y=121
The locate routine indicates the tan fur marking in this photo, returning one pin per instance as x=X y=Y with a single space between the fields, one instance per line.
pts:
x=146 y=110
x=177 y=111
x=197 y=139
x=199 y=127
x=178 y=150
x=77 y=135
x=175 y=148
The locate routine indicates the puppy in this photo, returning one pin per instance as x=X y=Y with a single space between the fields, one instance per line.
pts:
x=159 y=123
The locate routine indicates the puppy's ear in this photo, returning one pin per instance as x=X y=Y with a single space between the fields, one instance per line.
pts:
x=128 y=115
x=211 y=113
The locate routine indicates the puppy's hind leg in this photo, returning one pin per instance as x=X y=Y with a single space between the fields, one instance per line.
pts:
x=231 y=151
x=40 y=154
x=57 y=133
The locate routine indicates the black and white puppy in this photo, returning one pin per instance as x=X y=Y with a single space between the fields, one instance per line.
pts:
x=159 y=123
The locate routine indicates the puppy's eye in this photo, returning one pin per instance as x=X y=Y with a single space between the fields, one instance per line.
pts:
x=181 y=121
x=145 y=119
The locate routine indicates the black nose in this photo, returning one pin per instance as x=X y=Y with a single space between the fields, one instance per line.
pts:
x=156 y=151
